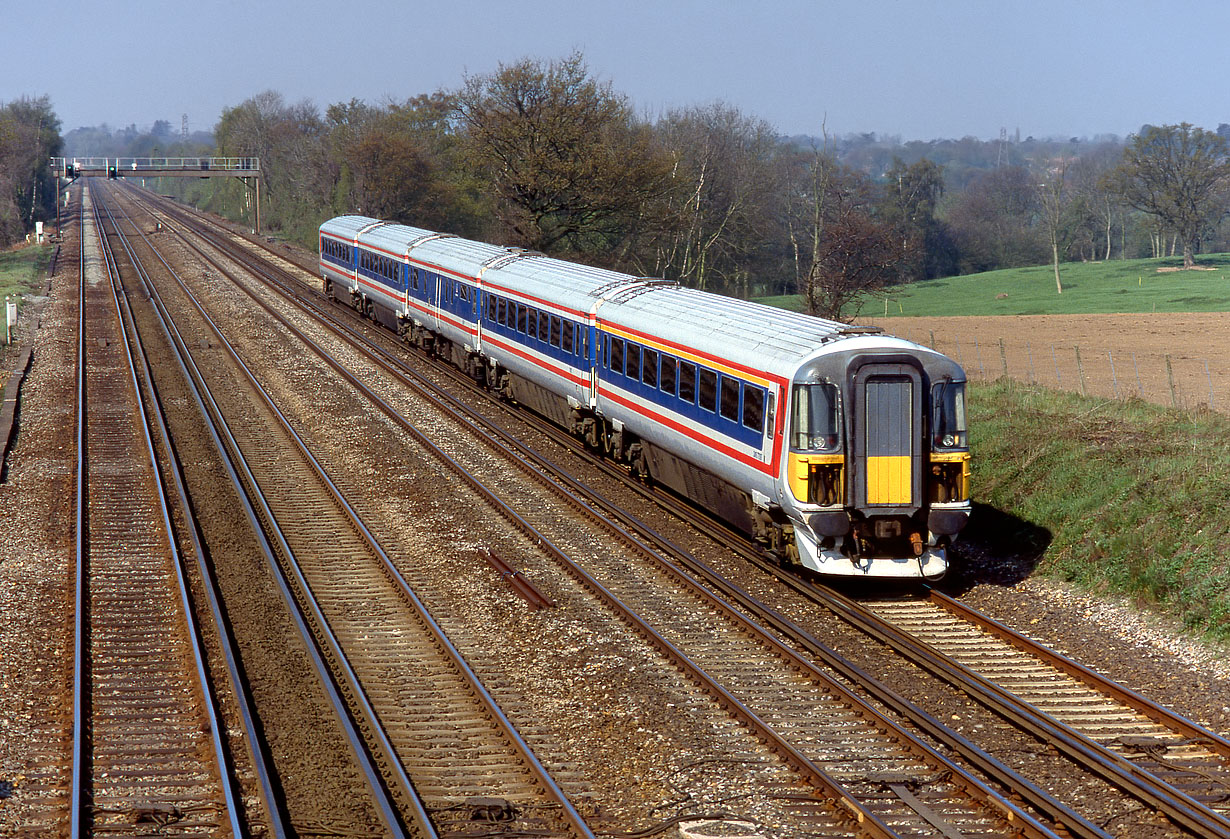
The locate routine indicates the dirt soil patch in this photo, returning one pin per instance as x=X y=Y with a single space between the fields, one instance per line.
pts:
x=1171 y=359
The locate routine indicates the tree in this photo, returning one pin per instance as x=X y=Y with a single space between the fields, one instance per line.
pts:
x=834 y=232
x=722 y=201
x=856 y=255
x=1055 y=203
x=995 y=221
x=1180 y=175
x=911 y=194
x=570 y=168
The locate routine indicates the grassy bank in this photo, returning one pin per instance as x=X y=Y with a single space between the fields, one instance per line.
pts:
x=1133 y=285
x=1126 y=498
x=22 y=271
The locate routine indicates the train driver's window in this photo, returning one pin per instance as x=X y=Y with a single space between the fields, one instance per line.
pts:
x=816 y=418
x=753 y=408
x=730 y=398
x=708 y=390
x=687 y=382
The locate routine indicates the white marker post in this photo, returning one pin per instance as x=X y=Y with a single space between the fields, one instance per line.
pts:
x=10 y=319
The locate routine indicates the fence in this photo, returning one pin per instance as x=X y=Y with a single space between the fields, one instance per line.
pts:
x=1178 y=379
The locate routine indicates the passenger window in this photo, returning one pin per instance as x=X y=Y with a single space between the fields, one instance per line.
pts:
x=730 y=398
x=667 y=382
x=490 y=308
x=568 y=343
x=584 y=342
x=753 y=409
x=649 y=368
x=708 y=390
x=501 y=310
x=555 y=330
x=523 y=314
x=544 y=326
x=617 y=354
x=687 y=382
x=634 y=361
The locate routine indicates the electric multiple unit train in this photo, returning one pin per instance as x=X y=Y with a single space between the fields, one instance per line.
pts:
x=839 y=448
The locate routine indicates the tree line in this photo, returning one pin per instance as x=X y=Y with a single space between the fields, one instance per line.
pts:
x=543 y=155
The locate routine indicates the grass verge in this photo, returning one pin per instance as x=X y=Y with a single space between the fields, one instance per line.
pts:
x=1117 y=497
x=22 y=270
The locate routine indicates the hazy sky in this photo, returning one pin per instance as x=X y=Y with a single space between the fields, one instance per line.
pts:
x=921 y=69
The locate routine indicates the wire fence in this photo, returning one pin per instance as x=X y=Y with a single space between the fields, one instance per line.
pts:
x=1180 y=379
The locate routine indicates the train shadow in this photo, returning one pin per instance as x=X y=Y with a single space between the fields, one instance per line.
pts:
x=995 y=548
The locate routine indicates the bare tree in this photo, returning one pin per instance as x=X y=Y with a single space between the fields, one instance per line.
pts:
x=1055 y=200
x=724 y=187
x=856 y=256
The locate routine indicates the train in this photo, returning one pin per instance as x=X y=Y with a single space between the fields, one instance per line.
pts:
x=839 y=448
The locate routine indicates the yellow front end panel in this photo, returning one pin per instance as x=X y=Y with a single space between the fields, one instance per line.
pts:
x=889 y=480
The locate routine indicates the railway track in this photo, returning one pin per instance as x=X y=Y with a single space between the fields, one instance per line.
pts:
x=445 y=752
x=906 y=788
x=148 y=747
x=1107 y=721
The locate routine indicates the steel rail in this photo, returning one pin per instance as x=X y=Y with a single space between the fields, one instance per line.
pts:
x=238 y=471
x=79 y=705
x=1012 y=813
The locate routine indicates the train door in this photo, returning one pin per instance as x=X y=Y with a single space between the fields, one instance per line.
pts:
x=440 y=286
x=886 y=472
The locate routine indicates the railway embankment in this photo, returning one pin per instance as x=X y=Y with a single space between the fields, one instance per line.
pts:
x=1117 y=497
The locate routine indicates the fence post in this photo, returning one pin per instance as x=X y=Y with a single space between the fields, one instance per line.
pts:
x=1003 y=357
x=1030 y=352
x=1140 y=389
x=1208 y=379
x=982 y=370
x=1080 y=370
x=1174 y=401
x=932 y=339
x=1058 y=381
x=1114 y=380
x=960 y=360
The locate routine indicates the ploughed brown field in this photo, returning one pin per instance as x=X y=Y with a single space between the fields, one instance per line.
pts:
x=1110 y=355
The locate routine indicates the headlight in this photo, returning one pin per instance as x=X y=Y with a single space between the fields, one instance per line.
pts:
x=949 y=441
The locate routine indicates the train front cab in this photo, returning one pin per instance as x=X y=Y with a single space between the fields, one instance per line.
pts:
x=878 y=465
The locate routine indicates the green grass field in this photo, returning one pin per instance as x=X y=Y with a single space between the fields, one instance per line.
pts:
x=1116 y=497
x=1128 y=286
